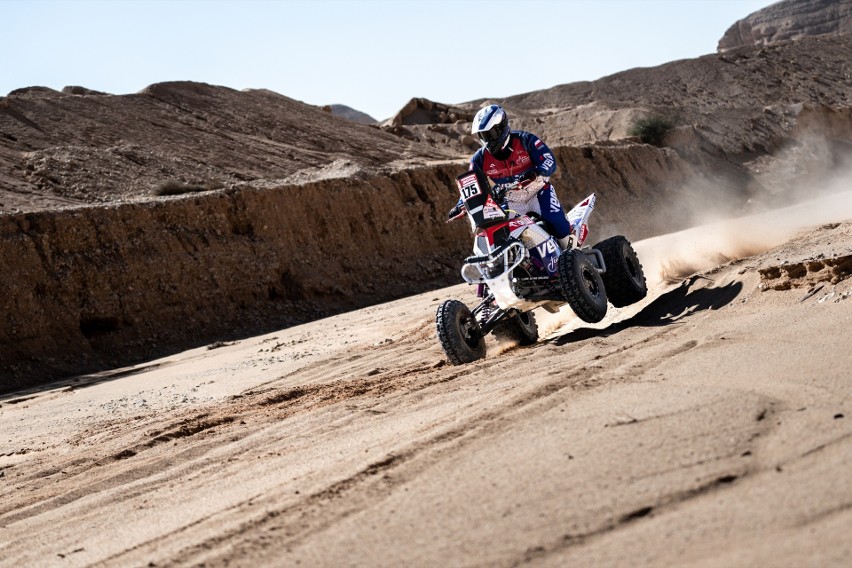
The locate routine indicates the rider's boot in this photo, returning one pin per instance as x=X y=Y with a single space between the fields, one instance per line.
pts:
x=566 y=242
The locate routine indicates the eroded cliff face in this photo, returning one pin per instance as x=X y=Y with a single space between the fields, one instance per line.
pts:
x=789 y=19
x=97 y=287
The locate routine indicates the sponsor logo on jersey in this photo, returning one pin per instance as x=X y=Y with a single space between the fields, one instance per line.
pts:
x=555 y=206
x=496 y=169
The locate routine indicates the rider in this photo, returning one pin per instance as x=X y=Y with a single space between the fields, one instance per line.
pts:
x=516 y=156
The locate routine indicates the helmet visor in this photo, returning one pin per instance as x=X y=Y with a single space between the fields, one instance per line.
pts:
x=492 y=135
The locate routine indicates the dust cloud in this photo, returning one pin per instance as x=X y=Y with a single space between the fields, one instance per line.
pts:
x=721 y=233
x=669 y=258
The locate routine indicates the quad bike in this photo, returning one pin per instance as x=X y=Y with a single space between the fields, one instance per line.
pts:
x=518 y=266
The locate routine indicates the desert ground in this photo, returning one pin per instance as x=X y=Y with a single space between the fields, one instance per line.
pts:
x=708 y=425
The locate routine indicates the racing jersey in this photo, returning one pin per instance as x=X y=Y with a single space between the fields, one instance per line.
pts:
x=527 y=152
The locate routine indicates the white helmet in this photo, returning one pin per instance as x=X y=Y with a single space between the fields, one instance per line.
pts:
x=491 y=125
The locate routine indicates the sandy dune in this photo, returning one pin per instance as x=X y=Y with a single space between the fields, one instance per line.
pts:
x=709 y=425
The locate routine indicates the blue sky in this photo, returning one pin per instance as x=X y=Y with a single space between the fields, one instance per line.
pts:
x=371 y=55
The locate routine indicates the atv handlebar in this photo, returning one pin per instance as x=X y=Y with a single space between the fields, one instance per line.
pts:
x=500 y=190
x=494 y=254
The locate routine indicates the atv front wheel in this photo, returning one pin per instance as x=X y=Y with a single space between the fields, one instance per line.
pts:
x=624 y=279
x=521 y=328
x=459 y=333
x=582 y=286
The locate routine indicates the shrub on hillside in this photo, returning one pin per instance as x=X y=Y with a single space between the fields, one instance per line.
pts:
x=651 y=129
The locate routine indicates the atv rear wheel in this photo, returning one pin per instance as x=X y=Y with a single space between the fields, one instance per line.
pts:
x=582 y=286
x=624 y=279
x=521 y=328
x=459 y=333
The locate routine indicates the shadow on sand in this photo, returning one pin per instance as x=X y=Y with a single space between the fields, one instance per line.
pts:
x=72 y=383
x=688 y=298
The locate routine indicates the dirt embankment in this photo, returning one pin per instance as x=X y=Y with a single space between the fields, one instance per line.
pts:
x=103 y=286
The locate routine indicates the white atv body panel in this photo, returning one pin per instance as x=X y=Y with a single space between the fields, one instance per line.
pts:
x=579 y=219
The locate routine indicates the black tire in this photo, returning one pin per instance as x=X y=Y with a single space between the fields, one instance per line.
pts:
x=521 y=328
x=624 y=279
x=458 y=333
x=582 y=286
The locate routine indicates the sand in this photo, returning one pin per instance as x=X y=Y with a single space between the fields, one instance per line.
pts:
x=708 y=425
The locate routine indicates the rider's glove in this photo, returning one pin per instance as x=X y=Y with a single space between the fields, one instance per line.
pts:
x=531 y=181
x=454 y=212
x=528 y=177
x=499 y=191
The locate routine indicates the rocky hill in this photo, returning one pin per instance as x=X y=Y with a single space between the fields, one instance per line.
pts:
x=748 y=113
x=787 y=20
x=352 y=114
x=139 y=224
x=77 y=146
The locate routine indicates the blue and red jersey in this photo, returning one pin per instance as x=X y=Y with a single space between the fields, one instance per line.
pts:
x=528 y=152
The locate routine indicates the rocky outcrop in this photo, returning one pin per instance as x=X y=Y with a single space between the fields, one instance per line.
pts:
x=789 y=19
x=98 y=287
x=77 y=90
x=350 y=113
x=436 y=125
x=424 y=111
